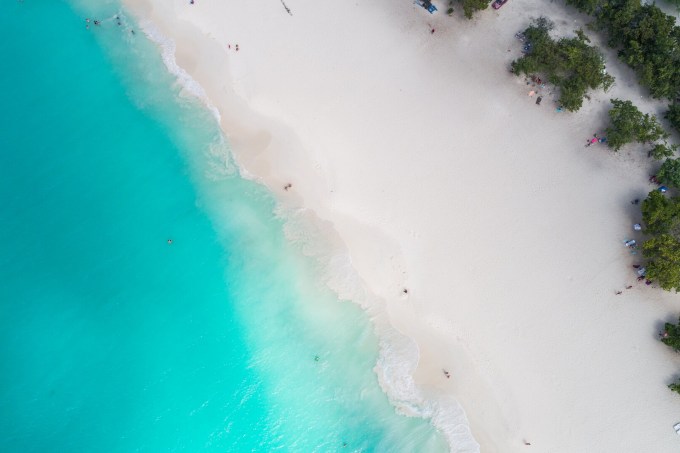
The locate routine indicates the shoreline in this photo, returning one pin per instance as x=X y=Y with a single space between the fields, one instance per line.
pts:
x=381 y=202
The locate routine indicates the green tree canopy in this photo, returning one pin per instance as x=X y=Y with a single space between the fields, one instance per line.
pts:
x=675 y=387
x=586 y=6
x=628 y=124
x=470 y=7
x=571 y=64
x=673 y=114
x=669 y=173
x=661 y=214
x=671 y=336
x=663 y=260
x=662 y=150
x=647 y=40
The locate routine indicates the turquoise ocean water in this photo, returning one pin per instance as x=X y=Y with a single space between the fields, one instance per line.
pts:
x=111 y=339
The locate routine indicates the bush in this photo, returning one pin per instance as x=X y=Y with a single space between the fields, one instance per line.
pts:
x=671 y=336
x=569 y=63
x=663 y=266
x=629 y=125
x=472 y=6
x=586 y=6
x=662 y=150
x=647 y=40
x=673 y=114
x=669 y=173
x=660 y=214
x=675 y=387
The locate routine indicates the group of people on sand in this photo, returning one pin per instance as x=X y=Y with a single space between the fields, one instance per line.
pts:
x=595 y=139
x=632 y=244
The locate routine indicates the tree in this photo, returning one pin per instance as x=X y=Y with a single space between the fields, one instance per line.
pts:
x=669 y=173
x=571 y=64
x=571 y=95
x=472 y=6
x=629 y=125
x=586 y=6
x=543 y=23
x=647 y=40
x=671 y=336
x=663 y=266
x=673 y=114
x=662 y=150
x=660 y=214
x=675 y=387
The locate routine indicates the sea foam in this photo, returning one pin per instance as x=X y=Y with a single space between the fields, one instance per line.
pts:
x=398 y=354
x=168 y=52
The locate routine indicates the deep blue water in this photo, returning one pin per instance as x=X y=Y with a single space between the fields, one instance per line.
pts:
x=112 y=339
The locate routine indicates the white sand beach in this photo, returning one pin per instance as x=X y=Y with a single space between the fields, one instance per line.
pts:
x=440 y=175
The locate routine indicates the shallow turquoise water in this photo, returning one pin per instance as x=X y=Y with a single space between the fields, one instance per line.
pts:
x=111 y=339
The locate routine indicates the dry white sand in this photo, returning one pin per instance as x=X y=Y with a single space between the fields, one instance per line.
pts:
x=439 y=174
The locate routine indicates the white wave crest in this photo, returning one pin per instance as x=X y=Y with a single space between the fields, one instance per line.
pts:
x=168 y=49
x=398 y=354
x=397 y=361
x=220 y=160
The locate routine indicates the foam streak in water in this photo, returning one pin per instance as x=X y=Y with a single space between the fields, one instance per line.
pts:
x=168 y=48
x=398 y=354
